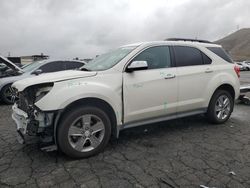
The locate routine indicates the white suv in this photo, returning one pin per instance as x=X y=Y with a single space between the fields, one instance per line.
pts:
x=78 y=111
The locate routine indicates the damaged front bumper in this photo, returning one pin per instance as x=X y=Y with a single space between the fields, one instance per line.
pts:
x=21 y=119
x=34 y=123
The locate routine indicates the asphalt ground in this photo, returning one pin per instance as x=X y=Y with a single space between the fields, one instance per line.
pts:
x=187 y=152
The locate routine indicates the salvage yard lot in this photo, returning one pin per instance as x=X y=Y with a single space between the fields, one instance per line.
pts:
x=188 y=152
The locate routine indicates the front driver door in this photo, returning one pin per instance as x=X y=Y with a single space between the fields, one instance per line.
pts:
x=150 y=93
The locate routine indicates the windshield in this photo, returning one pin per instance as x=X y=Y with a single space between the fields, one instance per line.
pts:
x=108 y=60
x=31 y=66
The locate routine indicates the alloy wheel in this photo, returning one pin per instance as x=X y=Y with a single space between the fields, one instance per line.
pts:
x=86 y=133
x=10 y=95
x=222 y=107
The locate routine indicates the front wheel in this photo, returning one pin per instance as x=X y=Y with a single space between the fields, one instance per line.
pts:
x=84 y=132
x=220 y=107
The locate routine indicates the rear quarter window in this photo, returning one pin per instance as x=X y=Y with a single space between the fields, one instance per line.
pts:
x=221 y=53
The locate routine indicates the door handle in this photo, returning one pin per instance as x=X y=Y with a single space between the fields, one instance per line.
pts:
x=169 y=76
x=208 y=70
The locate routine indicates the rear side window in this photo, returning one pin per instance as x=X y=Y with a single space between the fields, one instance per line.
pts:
x=206 y=60
x=221 y=53
x=188 y=56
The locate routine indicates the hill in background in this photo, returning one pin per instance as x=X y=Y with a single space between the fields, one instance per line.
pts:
x=237 y=44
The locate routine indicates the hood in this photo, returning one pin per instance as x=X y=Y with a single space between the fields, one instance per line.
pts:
x=52 y=77
x=9 y=64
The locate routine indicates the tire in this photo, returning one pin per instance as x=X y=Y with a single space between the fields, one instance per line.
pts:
x=77 y=136
x=218 y=112
x=6 y=94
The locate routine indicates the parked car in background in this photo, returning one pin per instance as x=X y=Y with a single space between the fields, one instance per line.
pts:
x=241 y=67
x=3 y=68
x=133 y=85
x=14 y=73
x=246 y=65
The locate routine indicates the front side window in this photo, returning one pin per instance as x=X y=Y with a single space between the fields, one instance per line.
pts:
x=188 y=56
x=108 y=60
x=156 y=57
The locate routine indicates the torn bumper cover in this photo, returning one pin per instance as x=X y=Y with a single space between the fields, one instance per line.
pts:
x=33 y=123
x=21 y=120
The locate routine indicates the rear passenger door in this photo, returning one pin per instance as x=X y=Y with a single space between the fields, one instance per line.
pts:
x=150 y=93
x=194 y=73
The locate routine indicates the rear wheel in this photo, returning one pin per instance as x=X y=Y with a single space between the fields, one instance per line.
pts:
x=84 y=132
x=220 y=107
x=8 y=94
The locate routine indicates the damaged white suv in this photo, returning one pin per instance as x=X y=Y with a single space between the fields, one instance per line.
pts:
x=78 y=111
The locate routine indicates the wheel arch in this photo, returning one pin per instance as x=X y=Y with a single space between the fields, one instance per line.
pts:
x=92 y=102
x=4 y=85
x=225 y=86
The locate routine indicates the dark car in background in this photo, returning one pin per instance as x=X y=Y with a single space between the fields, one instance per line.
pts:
x=14 y=73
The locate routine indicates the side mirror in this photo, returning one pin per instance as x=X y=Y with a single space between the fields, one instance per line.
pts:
x=137 y=65
x=37 y=72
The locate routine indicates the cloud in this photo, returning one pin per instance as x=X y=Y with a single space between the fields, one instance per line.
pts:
x=66 y=29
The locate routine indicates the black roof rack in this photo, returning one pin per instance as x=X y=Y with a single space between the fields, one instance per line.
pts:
x=191 y=40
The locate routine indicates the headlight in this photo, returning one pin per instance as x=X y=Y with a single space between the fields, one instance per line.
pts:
x=42 y=91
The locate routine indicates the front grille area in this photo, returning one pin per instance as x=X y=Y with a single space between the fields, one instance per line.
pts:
x=22 y=102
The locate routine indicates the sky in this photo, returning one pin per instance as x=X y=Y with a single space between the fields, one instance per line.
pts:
x=78 y=28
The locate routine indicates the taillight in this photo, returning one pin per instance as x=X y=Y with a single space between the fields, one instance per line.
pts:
x=237 y=70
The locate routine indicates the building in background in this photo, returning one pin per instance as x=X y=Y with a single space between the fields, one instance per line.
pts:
x=30 y=59
x=80 y=59
x=87 y=60
x=24 y=60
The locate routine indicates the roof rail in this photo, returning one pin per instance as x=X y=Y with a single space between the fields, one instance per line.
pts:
x=184 y=39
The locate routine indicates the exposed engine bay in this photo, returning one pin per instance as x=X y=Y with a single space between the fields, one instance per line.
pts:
x=8 y=68
x=8 y=72
x=31 y=120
